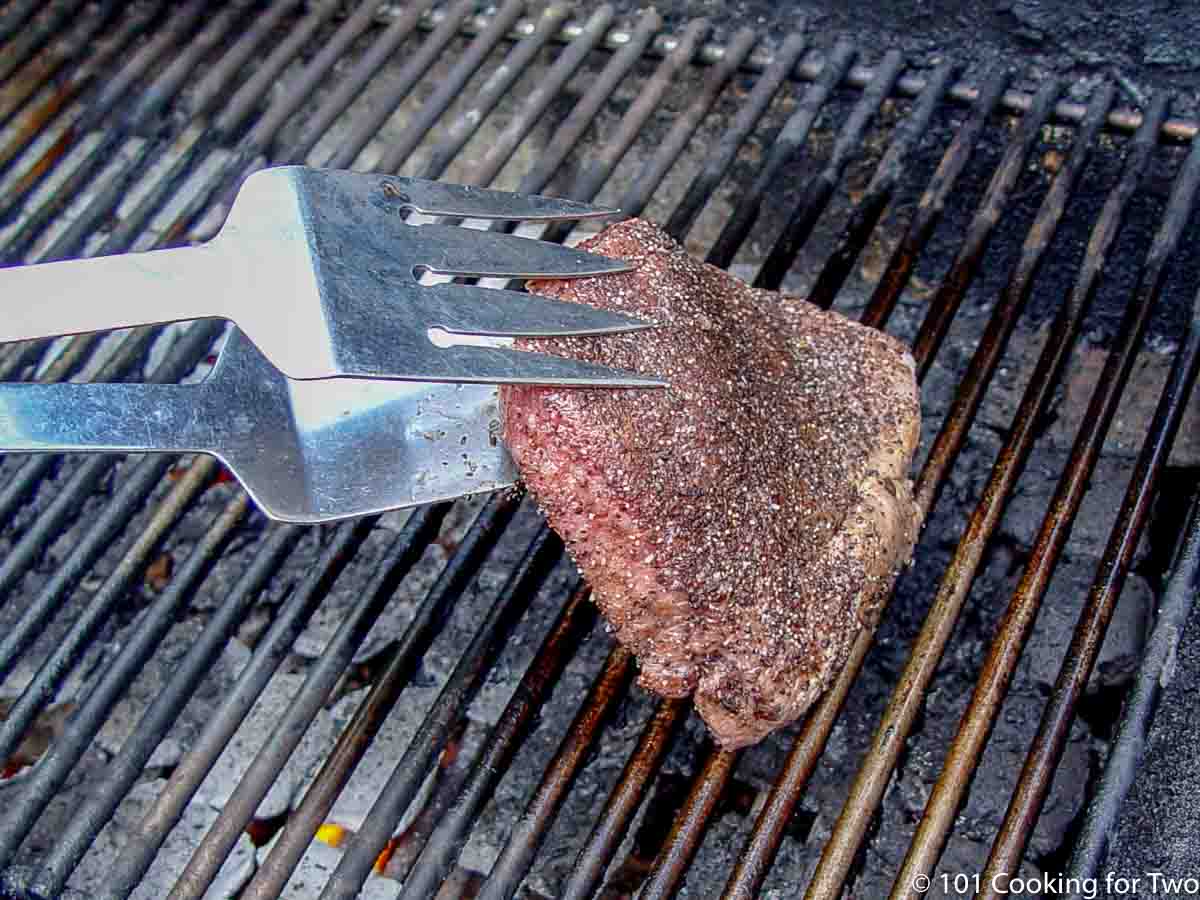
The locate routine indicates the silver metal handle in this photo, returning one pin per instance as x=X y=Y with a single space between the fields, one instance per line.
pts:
x=43 y=418
x=96 y=294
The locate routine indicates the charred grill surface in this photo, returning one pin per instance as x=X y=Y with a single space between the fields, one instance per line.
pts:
x=188 y=694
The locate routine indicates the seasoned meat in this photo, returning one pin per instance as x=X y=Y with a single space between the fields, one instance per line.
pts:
x=741 y=526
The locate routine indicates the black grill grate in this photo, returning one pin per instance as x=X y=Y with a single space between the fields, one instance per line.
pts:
x=127 y=126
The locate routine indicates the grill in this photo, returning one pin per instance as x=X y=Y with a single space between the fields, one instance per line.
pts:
x=191 y=694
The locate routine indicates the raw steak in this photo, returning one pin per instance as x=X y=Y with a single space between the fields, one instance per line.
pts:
x=741 y=526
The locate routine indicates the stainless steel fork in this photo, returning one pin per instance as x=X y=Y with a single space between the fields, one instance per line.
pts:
x=322 y=273
x=329 y=399
x=306 y=451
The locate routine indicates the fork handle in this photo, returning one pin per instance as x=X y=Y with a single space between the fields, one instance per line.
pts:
x=132 y=418
x=103 y=292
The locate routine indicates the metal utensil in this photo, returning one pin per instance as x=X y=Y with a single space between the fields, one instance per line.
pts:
x=321 y=272
x=306 y=451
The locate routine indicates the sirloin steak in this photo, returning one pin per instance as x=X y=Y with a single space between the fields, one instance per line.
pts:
x=739 y=527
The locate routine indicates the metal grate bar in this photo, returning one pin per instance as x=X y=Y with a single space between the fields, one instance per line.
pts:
x=638 y=194
x=83 y=828
x=18 y=358
x=900 y=715
x=115 y=187
x=789 y=143
x=526 y=837
x=717 y=164
x=1033 y=784
x=572 y=129
x=74 y=357
x=206 y=861
x=979 y=234
x=819 y=190
x=594 y=173
x=368 y=125
x=54 y=768
x=210 y=89
x=504 y=144
x=145 y=109
x=50 y=879
x=216 y=32
x=432 y=736
x=34 y=36
x=949 y=440
x=450 y=835
x=247 y=97
x=767 y=834
x=594 y=176
x=1014 y=629
x=16 y=15
x=597 y=171
x=489 y=96
x=232 y=119
x=114 y=89
x=1159 y=657
x=904 y=258
x=126 y=767
x=302 y=708
x=175 y=31
x=50 y=675
x=878 y=193
x=859 y=76
x=140 y=118
x=291 y=620
x=623 y=802
x=27 y=354
x=687 y=831
x=364 y=70
x=41 y=70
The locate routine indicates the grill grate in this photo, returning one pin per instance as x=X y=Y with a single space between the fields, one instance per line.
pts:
x=128 y=126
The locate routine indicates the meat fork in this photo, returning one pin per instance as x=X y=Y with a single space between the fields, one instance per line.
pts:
x=322 y=273
x=320 y=269
x=305 y=451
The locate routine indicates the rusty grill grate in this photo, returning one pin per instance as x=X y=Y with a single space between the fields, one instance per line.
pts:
x=157 y=636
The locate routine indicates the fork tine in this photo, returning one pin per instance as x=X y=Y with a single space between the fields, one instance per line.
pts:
x=465 y=309
x=503 y=365
x=448 y=250
x=462 y=201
